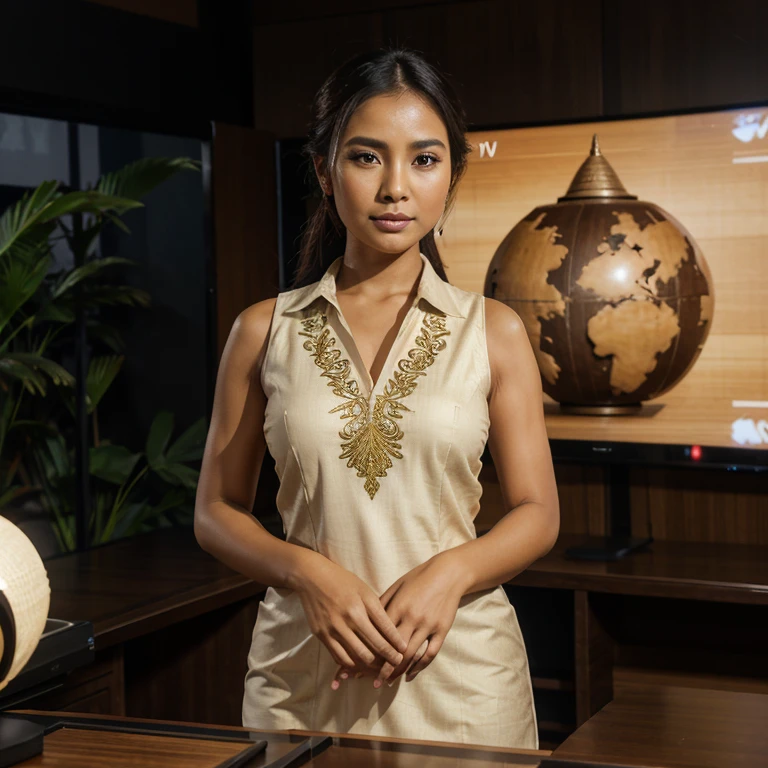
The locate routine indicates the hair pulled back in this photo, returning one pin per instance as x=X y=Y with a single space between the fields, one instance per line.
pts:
x=388 y=71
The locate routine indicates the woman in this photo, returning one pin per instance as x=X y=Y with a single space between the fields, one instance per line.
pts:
x=376 y=388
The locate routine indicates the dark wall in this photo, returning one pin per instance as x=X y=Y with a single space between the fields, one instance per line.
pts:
x=519 y=61
x=89 y=62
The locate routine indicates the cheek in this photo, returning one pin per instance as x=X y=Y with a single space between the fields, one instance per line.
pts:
x=433 y=187
x=354 y=191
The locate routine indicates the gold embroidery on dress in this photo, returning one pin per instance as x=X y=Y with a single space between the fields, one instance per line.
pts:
x=371 y=438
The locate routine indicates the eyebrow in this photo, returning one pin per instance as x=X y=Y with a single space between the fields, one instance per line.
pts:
x=378 y=144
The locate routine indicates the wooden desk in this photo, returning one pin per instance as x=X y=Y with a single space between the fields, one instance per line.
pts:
x=663 y=728
x=173 y=625
x=676 y=727
x=77 y=741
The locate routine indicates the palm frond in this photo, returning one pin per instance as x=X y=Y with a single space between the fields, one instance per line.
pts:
x=86 y=271
x=129 y=295
x=101 y=373
x=107 y=334
x=29 y=368
x=46 y=203
x=19 y=280
x=137 y=179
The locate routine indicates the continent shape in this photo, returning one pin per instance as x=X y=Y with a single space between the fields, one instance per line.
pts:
x=634 y=332
x=536 y=254
x=634 y=259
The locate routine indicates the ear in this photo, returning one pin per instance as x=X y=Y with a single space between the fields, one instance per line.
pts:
x=322 y=178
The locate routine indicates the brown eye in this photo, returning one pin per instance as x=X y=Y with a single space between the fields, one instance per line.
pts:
x=433 y=158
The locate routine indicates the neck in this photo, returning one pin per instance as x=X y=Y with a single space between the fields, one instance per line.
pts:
x=379 y=276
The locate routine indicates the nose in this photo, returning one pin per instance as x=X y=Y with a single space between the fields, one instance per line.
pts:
x=394 y=184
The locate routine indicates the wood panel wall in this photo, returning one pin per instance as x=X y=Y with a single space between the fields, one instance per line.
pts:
x=245 y=221
x=517 y=62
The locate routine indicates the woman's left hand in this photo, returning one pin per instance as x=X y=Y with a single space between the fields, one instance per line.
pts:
x=422 y=604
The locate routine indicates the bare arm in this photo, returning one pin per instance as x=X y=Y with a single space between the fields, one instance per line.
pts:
x=234 y=452
x=520 y=450
x=341 y=609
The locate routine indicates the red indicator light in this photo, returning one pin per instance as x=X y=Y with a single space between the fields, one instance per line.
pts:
x=696 y=452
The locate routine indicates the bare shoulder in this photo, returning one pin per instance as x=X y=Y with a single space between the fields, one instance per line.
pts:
x=250 y=332
x=509 y=349
x=503 y=326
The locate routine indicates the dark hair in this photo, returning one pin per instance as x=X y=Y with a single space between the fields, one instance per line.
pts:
x=379 y=72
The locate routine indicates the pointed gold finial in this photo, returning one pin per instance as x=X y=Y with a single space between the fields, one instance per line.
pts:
x=596 y=179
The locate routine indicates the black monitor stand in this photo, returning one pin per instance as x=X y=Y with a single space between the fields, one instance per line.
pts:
x=620 y=542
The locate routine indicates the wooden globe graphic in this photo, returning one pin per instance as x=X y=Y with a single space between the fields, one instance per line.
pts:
x=615 y=295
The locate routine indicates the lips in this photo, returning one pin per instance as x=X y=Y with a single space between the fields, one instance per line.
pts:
x=390 y=224
x=392 y=217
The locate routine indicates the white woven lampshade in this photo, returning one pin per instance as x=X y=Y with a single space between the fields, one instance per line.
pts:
x=24 y=584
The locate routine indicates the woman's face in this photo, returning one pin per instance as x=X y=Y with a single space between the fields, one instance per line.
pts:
x=393 y=158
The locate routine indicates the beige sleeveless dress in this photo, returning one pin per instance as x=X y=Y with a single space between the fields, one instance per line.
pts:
x=379 y=479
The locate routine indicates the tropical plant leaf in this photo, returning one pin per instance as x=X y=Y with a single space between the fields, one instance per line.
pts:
x=114 y=294
x=179 y=475
x=118 y=222
x=108 y=334
x=20 y=278
x=32 y=244
x=141 y=515
x=113 y=463
x=137 y=179
x=15 y=217
x=87 y=271
x=190 y=445
x=57 y=373
x=55 y=313
x=46 y=203
x=54 y=458
x=158 y=438
x=88 y=201
x=28 y=368
x=101 y=374
x=33 y=381
x=130 y=520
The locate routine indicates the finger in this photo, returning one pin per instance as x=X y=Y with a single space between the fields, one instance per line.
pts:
x=378 y=643
x=340 y=656
x=336 y=682
x=388 y=670
x=390 y=593
x=357 y=649
x=414 y=644
x=391 y=642
x=342 y=673
x=418 y=655
x=433 y=647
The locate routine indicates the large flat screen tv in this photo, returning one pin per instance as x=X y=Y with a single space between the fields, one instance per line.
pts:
x=709 y=170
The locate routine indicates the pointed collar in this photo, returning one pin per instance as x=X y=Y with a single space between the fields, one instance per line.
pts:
x=431 y=287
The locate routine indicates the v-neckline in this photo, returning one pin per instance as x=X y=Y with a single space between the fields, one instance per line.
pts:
x=358 y=362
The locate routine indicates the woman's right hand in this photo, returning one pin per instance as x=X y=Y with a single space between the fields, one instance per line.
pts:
x=348 y=617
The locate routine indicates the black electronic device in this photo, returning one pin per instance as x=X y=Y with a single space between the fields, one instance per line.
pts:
x=63 y=646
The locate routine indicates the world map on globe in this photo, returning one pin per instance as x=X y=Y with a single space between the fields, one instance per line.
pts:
x=615 y=297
